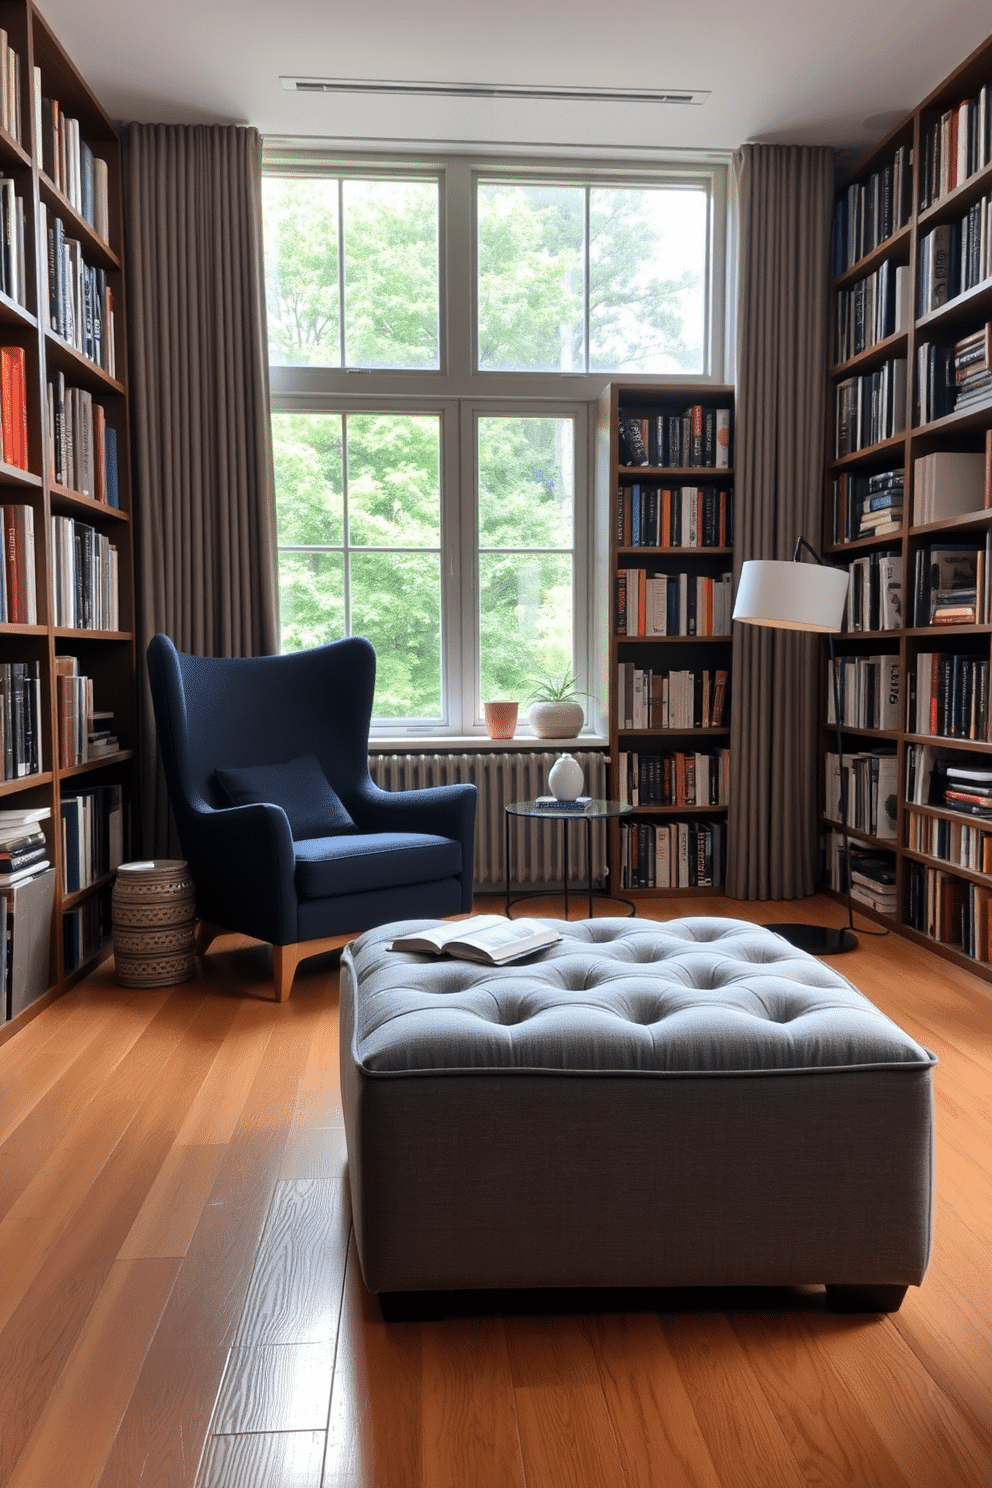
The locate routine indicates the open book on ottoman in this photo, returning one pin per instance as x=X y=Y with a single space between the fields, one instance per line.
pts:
x=487 y=938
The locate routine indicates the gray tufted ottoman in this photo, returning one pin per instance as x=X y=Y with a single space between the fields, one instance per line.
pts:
x=686 y=1103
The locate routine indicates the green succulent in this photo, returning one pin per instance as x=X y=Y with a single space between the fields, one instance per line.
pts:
x=553 y=690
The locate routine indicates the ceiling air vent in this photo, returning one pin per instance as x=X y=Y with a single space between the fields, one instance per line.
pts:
x=495 y=90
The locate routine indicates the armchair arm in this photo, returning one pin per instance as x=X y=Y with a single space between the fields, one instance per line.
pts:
x=243 y=864
x=445 y=810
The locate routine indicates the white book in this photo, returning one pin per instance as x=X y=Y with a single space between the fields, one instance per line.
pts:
x=490 y=939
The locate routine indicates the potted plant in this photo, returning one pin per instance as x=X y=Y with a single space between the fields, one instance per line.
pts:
x=555 y=712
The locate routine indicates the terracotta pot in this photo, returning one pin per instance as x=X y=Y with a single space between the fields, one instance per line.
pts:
x=501 y=719
x=556 y=720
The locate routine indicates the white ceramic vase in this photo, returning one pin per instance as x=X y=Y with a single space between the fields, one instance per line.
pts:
x=565 y=778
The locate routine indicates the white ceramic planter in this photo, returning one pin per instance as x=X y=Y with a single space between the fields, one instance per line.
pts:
x=556 y=720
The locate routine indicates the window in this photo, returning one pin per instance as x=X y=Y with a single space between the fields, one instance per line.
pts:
x=438 y=339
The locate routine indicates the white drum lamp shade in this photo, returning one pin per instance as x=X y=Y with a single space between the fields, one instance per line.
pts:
x=791 y=596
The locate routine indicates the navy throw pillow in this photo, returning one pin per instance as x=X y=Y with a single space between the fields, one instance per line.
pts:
x=299 y=786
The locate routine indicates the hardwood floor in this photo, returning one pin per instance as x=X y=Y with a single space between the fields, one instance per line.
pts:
x=181 y=1303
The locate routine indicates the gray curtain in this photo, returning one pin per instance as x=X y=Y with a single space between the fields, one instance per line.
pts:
x=204 y=496
x=784 y=210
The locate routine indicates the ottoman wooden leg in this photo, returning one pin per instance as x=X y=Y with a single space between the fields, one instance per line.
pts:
x=864 y=1298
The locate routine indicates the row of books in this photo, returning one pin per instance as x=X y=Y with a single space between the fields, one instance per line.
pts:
x=675 y=778
x=76 y=301
x=86 y=928
x=13 y=264
x=675 y=699
x=18 y=590
x=951 y=583
x=866 y=505
x=659 y=604
x=92 y=835
x=870 y=408
x=20 y=719
x=84 y=733
x=949 y=696
x=13 y=406
x=870 y=211
x=694 y=437
x=959 y=842
x=11 y=112
x=85 y=577
x=870 y=780
x=674 y=517
x=672 y=855
x=868 y=688
x=874 y=593
x=69 y=163
x=867 y=873
x=954 y=145
x=876 y=307
x=82 y=446
x=952 y=483
x=955 y=256
x=938 y=777
x=948 y=909
x=949 y=378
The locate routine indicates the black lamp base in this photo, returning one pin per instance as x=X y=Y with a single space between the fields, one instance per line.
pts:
x=819 y=940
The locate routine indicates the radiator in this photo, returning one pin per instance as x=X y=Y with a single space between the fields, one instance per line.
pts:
x=535 y=846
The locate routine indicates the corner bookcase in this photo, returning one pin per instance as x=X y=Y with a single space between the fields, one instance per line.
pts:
x=909 y=497
x=62 y=305
x=670 y=499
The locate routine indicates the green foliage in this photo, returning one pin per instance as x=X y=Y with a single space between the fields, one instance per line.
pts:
x=373 y=481
x=560 y=688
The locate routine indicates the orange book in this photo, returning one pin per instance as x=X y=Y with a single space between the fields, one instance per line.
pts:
x=641 y=603
x=665 y=519
x=13 y=406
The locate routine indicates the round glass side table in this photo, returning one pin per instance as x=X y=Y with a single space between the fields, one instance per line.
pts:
x=596 y=810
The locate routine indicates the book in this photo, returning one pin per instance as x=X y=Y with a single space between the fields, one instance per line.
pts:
x=491 y=939
x=552 y=803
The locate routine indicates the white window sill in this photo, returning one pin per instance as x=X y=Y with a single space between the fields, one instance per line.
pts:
x=465 y=743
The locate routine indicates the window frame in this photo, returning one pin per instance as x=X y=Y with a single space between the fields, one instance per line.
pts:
x=461 y=393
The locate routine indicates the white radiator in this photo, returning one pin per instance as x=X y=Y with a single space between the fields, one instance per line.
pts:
x=535 y=846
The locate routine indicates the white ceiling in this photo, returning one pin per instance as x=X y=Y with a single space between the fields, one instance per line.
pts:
x=777 y=70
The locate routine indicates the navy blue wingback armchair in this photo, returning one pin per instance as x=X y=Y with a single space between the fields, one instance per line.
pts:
x=286 y=836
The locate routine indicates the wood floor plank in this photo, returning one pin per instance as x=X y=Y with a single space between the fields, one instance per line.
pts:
x=166 y=1424
x=927 y=1437
x=284 y=1459
x=166 y=1221
x=315 y=1152
x=830 y=1431
x=213 y=1114
x=92 y=1391
x=276 y=1387
x=167 y=1420
x=296 y=1285
x=375 y=1427
x=469 y=1406
x=566 y=1438
x=42 y=1330
x=319 y=1101
x=743 y=1437
x=660 y=1441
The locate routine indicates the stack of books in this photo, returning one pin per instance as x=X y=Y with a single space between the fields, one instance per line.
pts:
x=973 y=368
x=23 y=845
x=867 y=505
x=873 y=879
x=966 y=788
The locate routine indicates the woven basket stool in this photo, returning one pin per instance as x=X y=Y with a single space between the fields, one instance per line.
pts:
x=154 y=910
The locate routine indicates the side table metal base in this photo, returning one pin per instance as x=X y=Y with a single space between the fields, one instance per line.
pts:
x=527 y=809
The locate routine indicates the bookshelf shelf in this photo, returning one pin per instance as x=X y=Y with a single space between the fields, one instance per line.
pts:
x=92 y=155
x=872 y=355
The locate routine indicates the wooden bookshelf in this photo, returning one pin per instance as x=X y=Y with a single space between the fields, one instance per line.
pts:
x=108 y=657
x=647 y=540
x=942 y=892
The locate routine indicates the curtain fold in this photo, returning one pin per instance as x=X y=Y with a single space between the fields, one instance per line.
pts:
x=204 y=497
x=785 y=199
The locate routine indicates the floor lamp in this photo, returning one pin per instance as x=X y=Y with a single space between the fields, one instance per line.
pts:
x=804 y=596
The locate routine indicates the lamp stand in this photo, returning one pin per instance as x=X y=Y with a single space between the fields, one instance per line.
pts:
x=825 y=940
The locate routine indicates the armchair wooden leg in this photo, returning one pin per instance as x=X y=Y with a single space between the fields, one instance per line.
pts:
x=206 y=933
x=286 y=958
